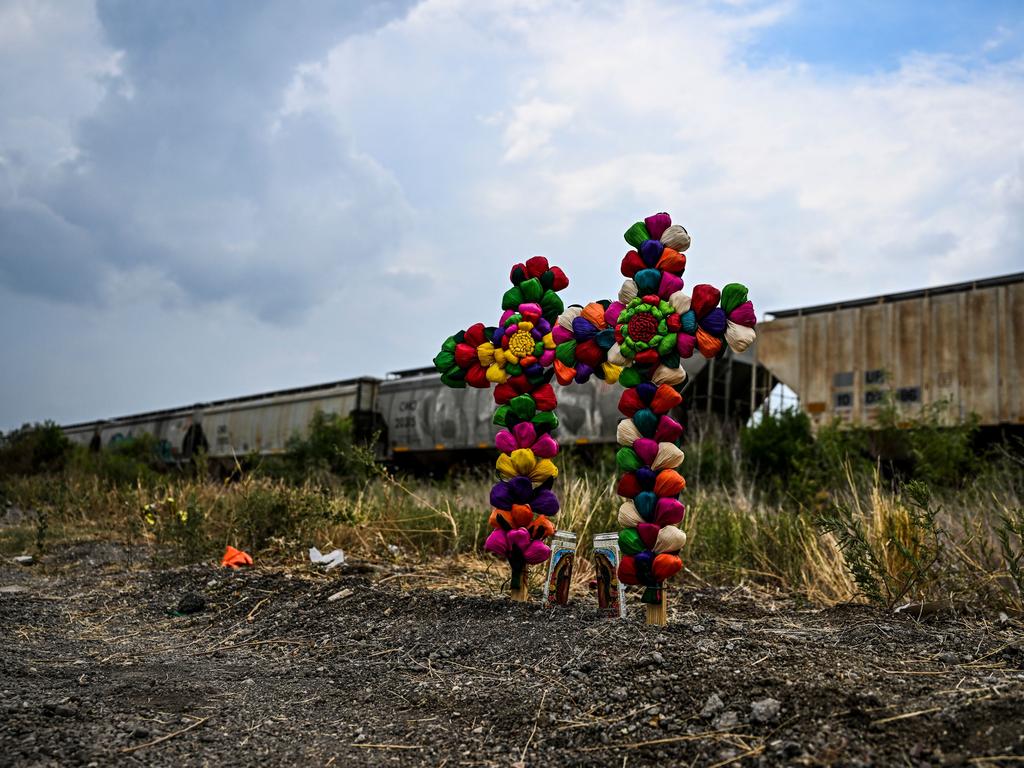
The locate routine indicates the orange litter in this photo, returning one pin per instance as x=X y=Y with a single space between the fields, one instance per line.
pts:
x=233 y=558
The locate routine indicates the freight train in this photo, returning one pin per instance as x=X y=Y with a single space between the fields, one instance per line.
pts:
x=411 y=412
x=960 y=344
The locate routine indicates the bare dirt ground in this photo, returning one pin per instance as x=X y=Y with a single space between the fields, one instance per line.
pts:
x=97 y=668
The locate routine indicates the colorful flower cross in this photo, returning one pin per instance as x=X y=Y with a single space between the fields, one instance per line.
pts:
x=656 y=325
x=638 y=341
x=519 y=357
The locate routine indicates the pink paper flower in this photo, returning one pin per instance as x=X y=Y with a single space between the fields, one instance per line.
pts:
x=517 y=541
x=524 y=435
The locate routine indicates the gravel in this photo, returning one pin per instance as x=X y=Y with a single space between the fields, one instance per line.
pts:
x=712 y=706
x=765 y=710
x=96 y=668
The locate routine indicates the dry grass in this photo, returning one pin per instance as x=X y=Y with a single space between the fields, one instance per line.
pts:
x=734 y=537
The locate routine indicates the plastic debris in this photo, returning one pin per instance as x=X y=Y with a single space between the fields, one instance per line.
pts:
x=234 y=558
x=24 y=560
x=330 y=560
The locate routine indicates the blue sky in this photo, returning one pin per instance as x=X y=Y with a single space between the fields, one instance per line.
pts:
x=872 y=36
x=199 y=200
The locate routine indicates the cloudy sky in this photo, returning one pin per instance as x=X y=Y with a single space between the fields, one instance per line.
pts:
x=200 y=200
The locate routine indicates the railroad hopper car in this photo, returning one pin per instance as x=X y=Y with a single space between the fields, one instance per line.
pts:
x=412 y=413
x=231 y=428
x=959 y=344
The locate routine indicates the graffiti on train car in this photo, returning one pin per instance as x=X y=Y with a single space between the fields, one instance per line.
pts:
x=407 y=419
x=164 y=451
x=424 y=416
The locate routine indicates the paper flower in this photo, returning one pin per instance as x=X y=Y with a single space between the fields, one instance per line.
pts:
x=656 y=325
x=584 y=336
x=517 y=544
x=521 y=344
x=535 y=405
x=523 y=463
x=458 y=362
x=517 y=356
x=516 y=501
x=524 y=435
x=536 y=282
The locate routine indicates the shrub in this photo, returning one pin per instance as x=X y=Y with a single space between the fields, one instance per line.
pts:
x=927 y=446
x=779 y=454
x=775 y=445
x=128 y=461
x=327 y=454
x=894 y=552
x=34 y=449
x=265 y=510
x=178 y=523
x=712 y=453
x=943 y=455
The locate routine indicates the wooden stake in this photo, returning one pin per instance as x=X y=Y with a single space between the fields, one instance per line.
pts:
x=657 y=613
x=521 y=594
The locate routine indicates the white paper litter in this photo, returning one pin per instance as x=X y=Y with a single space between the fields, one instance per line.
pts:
x=330 y=560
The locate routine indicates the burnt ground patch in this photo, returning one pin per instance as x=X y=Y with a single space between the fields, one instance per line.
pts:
x=97 y=668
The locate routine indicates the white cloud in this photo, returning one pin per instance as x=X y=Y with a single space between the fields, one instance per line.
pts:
x=52 y=62
x=532 y=126
x=374 y=188
x=179 y=167
x=843 y=184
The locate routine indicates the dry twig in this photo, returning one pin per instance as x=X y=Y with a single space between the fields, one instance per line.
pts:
x=169 y=736
x=905 y=716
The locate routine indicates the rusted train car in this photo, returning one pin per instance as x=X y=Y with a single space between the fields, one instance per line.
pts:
x=962 y=344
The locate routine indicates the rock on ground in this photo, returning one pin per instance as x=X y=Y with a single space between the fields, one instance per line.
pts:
x=765 y=710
